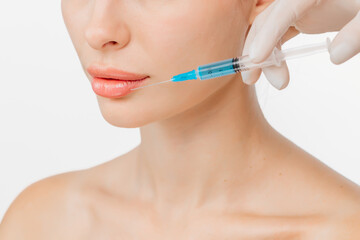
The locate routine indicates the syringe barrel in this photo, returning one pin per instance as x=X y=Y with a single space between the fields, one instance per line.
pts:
x=216 y=69
x=243 y=63
x=232 y=66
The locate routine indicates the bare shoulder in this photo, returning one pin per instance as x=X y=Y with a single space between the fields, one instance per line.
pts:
x=46 y=209
x=302 y=185
x=331 y=194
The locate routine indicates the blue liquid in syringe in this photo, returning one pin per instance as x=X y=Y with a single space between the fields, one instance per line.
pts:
x=212 y=70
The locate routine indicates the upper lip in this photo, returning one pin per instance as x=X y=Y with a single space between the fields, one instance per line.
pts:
x=113 y=73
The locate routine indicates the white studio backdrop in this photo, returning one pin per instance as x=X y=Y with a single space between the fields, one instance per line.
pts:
x=50 y=122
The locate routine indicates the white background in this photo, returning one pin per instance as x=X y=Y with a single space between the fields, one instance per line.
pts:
x=50 y=121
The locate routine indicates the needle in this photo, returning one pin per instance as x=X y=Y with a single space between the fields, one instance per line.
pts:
x=151 y=85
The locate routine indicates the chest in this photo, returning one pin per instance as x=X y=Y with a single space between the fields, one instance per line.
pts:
x=144 y=225
x=132 y=219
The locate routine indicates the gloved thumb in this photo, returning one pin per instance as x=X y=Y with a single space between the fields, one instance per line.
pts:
x=346 y=44
x=277 y=76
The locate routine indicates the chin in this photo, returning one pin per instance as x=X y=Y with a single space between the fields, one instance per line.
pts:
x=121 y=112
x=122 y=121
x=125 y=115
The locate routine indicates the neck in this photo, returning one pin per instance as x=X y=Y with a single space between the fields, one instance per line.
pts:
x=194 y=157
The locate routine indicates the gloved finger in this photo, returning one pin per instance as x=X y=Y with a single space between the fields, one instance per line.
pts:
x=282 y=16
x=251 y=76
x=277 y=76
x=346 y=44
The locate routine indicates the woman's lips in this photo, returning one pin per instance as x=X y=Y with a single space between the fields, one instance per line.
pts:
x=112 y=82
x=114 y=88
x=98 y=71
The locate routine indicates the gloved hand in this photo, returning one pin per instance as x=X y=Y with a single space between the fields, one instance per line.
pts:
x=284 y=19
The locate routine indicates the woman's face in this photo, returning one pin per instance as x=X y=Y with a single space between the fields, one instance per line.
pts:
x=158 y=38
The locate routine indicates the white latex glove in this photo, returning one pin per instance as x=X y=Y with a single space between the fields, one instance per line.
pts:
x=284 y=19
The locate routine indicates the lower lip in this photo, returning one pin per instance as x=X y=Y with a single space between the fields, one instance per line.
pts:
x=114 y=88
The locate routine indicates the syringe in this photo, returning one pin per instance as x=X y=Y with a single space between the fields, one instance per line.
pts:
x=243 y=63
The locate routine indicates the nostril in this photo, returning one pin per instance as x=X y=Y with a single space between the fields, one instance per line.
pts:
x=110 y=43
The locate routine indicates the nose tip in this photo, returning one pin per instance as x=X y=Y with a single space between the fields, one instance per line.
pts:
x=102 y=38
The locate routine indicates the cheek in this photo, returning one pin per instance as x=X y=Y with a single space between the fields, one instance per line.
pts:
x=193 y=34
x=180 y=40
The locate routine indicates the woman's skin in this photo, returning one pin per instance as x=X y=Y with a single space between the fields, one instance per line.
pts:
x=209 y=165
